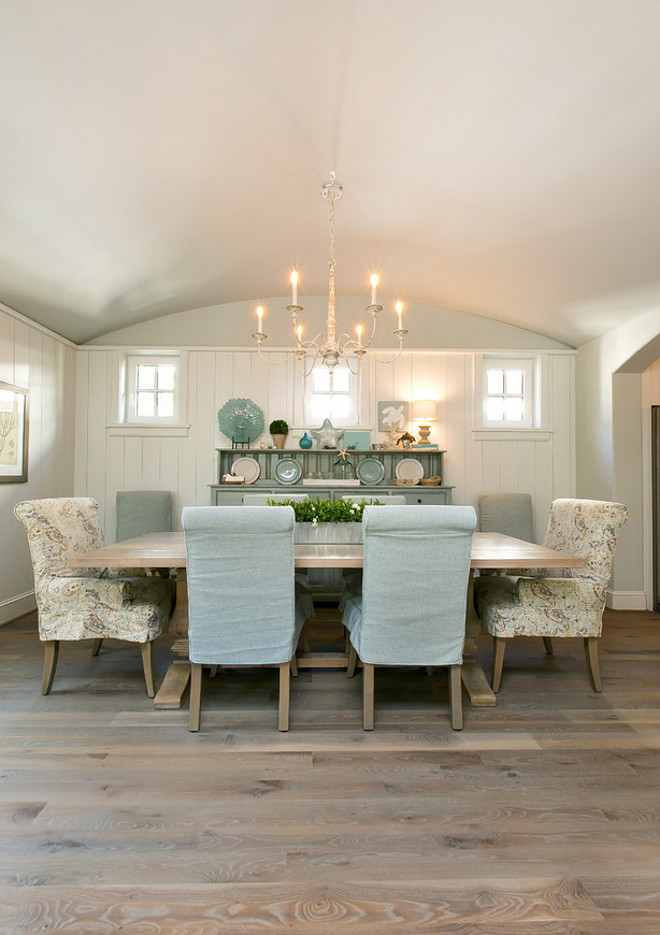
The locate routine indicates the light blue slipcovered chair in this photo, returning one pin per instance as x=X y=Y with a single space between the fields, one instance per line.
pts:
x=244 y=606
x=508 y=513
x=561 y=602
x=410 y=610
x=142 y=511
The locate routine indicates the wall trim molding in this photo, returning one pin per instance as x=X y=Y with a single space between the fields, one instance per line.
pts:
x=37 y=327
x=246 y=348
x=511 y=435
x=149 y=431
x=16 y=606
x=625 y=600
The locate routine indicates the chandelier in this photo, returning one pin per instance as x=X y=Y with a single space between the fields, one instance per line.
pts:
x=328 y=348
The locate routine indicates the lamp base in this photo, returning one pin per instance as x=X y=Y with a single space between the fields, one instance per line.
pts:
x=424 y=432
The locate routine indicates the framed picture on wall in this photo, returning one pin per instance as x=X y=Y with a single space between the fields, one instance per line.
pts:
x=393 y=412
x=13 y=434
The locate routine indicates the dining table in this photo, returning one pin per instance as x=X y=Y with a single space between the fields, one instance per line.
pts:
x=490 y=551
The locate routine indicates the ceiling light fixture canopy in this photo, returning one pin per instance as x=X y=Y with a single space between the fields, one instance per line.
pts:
x=328 y=348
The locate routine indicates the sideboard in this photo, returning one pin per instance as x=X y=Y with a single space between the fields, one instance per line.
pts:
x=318 y=466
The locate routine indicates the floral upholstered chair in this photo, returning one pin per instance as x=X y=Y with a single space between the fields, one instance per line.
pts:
x=559 y=601
x=80 y=603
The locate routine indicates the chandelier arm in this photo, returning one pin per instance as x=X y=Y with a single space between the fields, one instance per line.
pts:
x=276 y=363
x=359 y=364
x=349 y=342
x=390 y=360
x=316 y=342
x=301 y=358
x=363 y=344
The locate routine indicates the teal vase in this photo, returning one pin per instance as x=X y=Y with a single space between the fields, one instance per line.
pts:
x=305 y=441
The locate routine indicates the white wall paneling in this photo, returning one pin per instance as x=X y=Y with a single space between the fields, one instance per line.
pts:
x=542 y=465
x=34 y=358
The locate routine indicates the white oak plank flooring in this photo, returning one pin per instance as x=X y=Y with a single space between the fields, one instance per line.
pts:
x=541 y=818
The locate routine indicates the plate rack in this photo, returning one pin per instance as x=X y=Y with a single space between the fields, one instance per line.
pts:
x=318 y=462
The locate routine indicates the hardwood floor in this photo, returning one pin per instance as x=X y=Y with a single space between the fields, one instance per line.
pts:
x=540 y=818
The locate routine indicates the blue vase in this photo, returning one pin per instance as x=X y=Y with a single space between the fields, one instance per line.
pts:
x=305 y=441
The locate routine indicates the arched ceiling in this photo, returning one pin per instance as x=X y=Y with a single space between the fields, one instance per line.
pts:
x=498 y=158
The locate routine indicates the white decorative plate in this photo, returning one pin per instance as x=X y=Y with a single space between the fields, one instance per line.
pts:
x=287 y=471
x=247 y=468
x=370 y=471
x=409 y=469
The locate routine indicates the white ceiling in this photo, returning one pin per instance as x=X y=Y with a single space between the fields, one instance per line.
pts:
x=499 y=157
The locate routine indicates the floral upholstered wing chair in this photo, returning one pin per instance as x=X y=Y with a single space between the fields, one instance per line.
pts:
x=557 y=602
x=79 y=604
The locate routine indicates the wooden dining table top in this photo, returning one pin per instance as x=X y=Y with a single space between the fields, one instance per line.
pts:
x=168 y=550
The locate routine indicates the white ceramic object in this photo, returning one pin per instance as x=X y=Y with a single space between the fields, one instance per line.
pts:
x=247 y=468
x=409 y=469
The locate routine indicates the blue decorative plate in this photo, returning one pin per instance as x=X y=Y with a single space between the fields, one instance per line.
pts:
x=370 y=471
x=241 y=420
x=287 y=471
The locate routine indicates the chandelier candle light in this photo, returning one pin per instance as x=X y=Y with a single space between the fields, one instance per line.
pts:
x=328 y=348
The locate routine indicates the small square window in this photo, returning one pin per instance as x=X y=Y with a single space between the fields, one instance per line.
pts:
x=152 y=385
x=331 y=395
x=507 y=398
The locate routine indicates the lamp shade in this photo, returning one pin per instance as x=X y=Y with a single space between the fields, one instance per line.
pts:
x=424 y=410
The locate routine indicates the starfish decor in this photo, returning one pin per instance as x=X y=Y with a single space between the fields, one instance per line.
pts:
x=327 y=436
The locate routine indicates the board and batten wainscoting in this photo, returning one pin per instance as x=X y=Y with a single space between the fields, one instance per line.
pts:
x=540 y=462
x=40 y=361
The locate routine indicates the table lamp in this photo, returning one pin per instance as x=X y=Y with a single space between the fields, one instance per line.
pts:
x=424 y=411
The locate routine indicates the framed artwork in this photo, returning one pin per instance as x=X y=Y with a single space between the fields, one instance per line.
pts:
x=13 y=434
x=393 y=412
x=358 y=440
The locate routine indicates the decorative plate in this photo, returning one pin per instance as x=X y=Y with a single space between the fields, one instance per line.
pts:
x=370 y=471
x=247 y=468
x=409 y=469
x=287 y=471
x=241 y=420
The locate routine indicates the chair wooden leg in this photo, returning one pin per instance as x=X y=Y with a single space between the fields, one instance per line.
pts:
x=352 y=661
x=456 y=697
x=195 y=713
x=367 y=696
x=294 y=666
x=283 y=711
x=213 y=671
x=547 y=642
x=303 y=642
x=51 y=652
x=593 y=665
x=498 y=659
x=96 y=647
x=148 y=666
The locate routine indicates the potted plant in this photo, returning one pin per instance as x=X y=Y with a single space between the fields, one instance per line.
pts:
x=279 y=429
x=328 y=520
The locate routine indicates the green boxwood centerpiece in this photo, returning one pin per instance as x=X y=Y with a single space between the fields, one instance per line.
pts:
x=327 y=511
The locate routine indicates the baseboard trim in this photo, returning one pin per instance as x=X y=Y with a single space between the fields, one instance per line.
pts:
x=16 y=606
x=625 y=600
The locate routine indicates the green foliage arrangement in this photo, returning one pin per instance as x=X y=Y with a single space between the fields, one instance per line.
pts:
x=327 y=511
x=278 y=427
